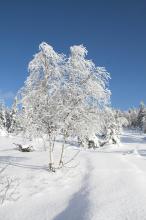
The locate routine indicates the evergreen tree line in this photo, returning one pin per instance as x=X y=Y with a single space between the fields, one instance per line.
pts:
x=136 y=118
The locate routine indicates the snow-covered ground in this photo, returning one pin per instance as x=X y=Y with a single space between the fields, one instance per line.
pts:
x=105 y=184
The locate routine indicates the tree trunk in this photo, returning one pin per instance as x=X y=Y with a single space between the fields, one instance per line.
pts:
x=62 y=150
x=51 y=168
x=53 y=144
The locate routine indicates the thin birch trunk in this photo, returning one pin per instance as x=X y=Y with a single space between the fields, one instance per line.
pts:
x=50 y=155
x=62 y=151
x=53 y=145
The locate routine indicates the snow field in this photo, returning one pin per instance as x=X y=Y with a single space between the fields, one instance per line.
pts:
x=109 y=183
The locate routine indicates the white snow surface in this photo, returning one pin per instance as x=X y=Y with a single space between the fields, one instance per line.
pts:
x=103 y=184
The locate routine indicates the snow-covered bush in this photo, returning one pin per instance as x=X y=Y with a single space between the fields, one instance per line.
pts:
x=3 y=132
x=111 y=126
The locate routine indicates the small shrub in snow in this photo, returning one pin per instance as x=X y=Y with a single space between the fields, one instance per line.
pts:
x=24 y=148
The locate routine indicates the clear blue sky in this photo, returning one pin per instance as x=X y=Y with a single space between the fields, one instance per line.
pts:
x=114 y=32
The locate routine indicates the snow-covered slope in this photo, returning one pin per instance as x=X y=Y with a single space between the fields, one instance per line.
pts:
x=104 y=184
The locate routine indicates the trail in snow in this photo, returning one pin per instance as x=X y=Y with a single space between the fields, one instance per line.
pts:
x=115 y=187
x=78 y=204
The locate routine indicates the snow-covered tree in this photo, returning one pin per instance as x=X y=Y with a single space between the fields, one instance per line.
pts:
x=63 y=95
x=144 y=124
x=131 y=115
x=2 y=116
x=141 y=115
x=13 y=118
x=40 y=98
x=86 y=94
